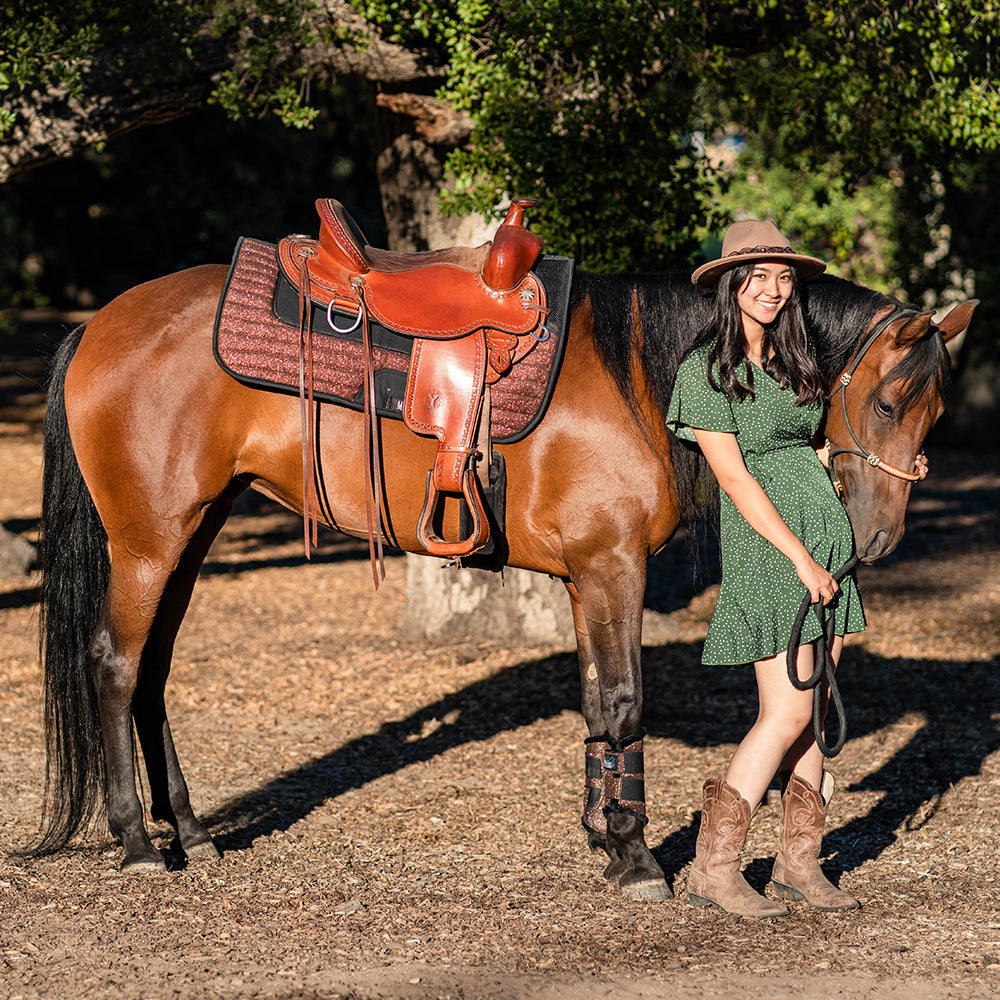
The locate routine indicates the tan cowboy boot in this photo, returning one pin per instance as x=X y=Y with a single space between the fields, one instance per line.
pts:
x=715 y=875
x=797 y=874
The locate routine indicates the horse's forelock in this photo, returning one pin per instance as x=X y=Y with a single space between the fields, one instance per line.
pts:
x=924 y=367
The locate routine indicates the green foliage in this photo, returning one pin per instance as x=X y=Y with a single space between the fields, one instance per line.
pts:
x=48 y=47
x=852 y=227
x=590 y=106
x=159 y=44
x=873 y=82
x=258 y=83
x=37 y=49
x=583 y=105
x=594 y=106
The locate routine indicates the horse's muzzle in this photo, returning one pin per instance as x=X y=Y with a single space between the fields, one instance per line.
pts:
x=878 y=544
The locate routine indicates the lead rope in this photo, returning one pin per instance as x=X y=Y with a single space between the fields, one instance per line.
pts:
x=824 y=668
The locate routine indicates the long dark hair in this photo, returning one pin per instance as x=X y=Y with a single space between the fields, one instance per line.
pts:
x=785 y=354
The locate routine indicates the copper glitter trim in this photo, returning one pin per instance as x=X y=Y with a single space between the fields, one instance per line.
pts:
x=608 y=781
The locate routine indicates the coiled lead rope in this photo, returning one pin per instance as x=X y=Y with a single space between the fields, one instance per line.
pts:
x=824 y=666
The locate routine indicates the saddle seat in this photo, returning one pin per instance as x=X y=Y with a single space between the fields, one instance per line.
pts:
x=440 y=294
x=342 y=240
x=472 y=312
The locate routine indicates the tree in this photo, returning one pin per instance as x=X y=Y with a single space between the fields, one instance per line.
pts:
x=88 y=73
x=595 y=106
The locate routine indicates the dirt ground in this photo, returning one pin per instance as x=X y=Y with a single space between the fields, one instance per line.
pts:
x=401 y=819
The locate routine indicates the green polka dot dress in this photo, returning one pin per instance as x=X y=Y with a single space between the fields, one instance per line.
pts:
x=761 y=593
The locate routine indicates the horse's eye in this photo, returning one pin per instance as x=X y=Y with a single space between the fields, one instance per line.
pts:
x=884 y=408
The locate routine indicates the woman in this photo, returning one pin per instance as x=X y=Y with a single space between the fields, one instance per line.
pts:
x=750 y=395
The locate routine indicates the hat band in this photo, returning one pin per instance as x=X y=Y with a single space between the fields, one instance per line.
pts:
x=758 y=250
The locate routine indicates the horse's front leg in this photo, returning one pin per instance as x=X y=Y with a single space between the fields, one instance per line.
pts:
x=607 y=615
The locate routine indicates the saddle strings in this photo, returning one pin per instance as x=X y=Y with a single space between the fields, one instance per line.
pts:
x=373 y=447
x=310 y=502
x=373 y=444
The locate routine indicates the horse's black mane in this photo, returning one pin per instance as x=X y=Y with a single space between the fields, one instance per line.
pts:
x=663 y=314
x=839 y=314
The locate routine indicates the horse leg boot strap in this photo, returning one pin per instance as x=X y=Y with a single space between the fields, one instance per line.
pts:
x=797 y=874
x=715 y=876
x=614 y=781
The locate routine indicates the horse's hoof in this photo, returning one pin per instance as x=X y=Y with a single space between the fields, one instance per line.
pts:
x=142 y=866
x=202 y=851
x=649 y=889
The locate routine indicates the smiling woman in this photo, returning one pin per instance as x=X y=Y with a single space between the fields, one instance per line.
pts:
x=763 y=296
x=750 y=395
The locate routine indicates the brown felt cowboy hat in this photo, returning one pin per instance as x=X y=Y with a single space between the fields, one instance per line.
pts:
x=753 y=240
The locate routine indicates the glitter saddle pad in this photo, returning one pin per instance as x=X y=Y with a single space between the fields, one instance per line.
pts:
x=257 y=342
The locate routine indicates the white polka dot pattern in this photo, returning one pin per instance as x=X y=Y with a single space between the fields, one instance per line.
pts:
x=761 y=593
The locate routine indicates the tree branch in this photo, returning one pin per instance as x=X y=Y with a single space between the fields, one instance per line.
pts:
x=117 y=96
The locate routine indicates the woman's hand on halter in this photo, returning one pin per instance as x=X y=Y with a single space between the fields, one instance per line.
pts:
x=817 y=580
x=920 y=466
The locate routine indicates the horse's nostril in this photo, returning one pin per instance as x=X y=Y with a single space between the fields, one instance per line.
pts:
x=877 y=546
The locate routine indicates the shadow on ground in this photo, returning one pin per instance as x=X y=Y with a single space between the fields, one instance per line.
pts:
x=696 y=705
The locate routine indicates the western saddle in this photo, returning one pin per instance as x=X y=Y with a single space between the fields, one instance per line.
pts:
x=473 y=312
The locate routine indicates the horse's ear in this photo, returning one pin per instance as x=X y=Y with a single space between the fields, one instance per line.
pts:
x=957 y=320
x=913 y=330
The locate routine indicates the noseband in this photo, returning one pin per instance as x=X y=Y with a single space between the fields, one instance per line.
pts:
x=861 y=451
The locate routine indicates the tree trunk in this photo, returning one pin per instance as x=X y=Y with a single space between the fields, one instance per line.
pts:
x=452 y=602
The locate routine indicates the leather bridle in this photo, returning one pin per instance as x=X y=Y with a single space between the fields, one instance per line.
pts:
x=861 y=451
x=824 y=667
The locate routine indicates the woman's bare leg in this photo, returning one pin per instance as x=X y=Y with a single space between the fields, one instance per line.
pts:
x=782 y=735
x=804 y=757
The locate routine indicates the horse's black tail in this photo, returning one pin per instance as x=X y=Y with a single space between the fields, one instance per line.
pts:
x=75 y=571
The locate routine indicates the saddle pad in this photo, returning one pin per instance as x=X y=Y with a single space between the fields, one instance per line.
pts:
x=258 y=348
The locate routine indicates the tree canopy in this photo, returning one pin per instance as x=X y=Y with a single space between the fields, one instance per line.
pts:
x=601 y=108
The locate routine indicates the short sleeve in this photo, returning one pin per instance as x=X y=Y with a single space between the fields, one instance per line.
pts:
x=694 y=403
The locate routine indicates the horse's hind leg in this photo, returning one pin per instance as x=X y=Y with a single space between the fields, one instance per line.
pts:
x=115 y=657
x=170 y=800
x=152 y=575
x=607 y=618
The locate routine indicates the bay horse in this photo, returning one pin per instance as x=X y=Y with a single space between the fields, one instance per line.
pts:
x=148 y=443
